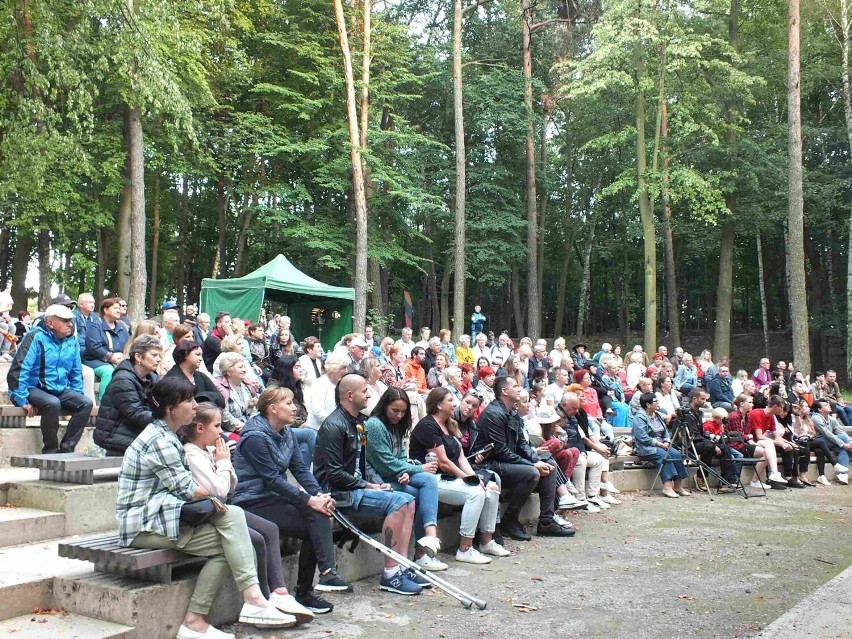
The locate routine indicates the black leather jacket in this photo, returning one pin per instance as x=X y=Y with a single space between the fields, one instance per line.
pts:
x=503 y=428
x=336 y=453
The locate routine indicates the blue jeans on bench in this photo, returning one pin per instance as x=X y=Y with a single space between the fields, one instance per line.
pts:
x=423 y=487
x=49 y=406
x=673 y=468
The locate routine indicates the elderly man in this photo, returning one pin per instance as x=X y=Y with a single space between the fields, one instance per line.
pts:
x=677 y=358
x=431 y=353
x=405 y=342
x=357 y=350
x=606 y=348
x=46 y=376
x=201 y=330
x=762 y=376
x=171 y=319
x=84 y=316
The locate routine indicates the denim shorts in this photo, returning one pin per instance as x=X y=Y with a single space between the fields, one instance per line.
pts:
x=376 y=503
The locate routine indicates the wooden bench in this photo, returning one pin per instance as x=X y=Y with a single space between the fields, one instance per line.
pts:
x=138 y=563
x=14 y=417
x=68 y=468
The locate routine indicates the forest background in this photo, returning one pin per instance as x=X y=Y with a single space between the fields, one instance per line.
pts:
x=574 y=166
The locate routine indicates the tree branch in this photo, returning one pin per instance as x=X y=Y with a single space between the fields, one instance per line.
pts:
x=474 y=6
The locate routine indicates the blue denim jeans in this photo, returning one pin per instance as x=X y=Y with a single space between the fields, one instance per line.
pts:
x=673 y=468
x=842 y=453
x=307 y=440
x=424 y=488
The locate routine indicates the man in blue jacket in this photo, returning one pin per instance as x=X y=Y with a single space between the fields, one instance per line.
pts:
x=46 y=376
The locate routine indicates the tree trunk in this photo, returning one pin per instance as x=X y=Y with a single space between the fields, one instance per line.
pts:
x=5 y=254
x=20 y=265
x=646 y=212
x=846 y=28
x=183 y=229
x=567 y=242
x=445 y=293
x=155 y=244
x=219 y=262
x=533 y=303
x=122 y=266
x=725 y=286
x=360 y=306
x=461 y=176
x=585 y=291
x=762 y=285
x=542 y=210
x=249 y=202
x=672 y=306
x=139 y=278
x=103 y=239
x=44 y=271
x=560 y=295
x=795 y=218
x=516 y=303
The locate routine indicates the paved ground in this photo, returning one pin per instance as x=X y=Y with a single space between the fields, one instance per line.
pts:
x=650 y=568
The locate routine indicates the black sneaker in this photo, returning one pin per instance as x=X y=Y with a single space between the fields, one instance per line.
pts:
x=331 y=582
x=514 y=530
x=552 y=529
x=778 y=485
x=314 y=602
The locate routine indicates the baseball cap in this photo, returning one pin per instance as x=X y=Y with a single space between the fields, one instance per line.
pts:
x=60 y=311
x=360 y=341
x=62 y=299
x=169 y=304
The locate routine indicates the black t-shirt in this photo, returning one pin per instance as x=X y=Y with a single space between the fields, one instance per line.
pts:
x=427 y=435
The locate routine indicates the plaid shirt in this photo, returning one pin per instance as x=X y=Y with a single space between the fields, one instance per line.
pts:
x=153 y=485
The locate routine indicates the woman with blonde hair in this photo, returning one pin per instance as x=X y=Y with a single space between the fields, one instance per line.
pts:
x=464 y=353
x=240 y=400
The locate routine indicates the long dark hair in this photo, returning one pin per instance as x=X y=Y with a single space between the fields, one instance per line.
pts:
x=283 y=375
x=433 y=399
x=391 y=395
x=169 y=391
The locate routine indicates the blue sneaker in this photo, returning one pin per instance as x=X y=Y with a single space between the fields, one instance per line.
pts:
x=400 y=584
x=418 y=579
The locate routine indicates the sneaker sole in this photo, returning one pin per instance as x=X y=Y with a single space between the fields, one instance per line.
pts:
x=267 y=623
x=398 y=592
x=325 y=588
x=431 y=569
x=319 y=611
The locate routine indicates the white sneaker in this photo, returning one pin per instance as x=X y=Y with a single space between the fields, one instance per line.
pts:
x=268 y=617
x=494 y=549
x=212 y=633
x=430 y=545
x=609 y=499
x=600 y=503
x=756 y=483
x=288 y=605
x=431 y=564
x=612 y=490
x=566 y=501
x=472 y=556
x=591 y=508
x=822 y=479
x=572 y=489
x=843 y=478
x=840 y=468
x=777 y=477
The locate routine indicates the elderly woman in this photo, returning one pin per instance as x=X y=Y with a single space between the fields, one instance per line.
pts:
x=189 y=365
x=453 y=383
x=322 y=392
x=124 y=411
x=485 y=388
x=686 y=378
x=153 y=487
x=667 y=397
x=387 y=429
x=262 y=459
x=238 y=344
x=653 y=444
x=369 y=367
x=105 y=341
x=464 y=353
x=435 y=377
x=240 y=400
x=558 y=353
x=635 y=369
x=481 y=349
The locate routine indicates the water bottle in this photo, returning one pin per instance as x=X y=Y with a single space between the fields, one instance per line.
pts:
x=431 y=457
x=95 y=451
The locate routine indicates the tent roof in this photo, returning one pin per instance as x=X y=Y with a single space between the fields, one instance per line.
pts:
x=280 y=275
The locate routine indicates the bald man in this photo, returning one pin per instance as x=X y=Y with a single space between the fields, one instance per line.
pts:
x=340 y=468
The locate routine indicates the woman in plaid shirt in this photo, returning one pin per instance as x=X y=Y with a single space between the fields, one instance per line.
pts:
x=153 y=486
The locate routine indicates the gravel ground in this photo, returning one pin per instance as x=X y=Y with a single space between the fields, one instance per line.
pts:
x=650 y=568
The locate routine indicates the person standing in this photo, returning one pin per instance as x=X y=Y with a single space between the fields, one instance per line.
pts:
x=46 y=376
x=477 y=321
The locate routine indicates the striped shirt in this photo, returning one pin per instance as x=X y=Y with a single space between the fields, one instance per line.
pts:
x=153 y=485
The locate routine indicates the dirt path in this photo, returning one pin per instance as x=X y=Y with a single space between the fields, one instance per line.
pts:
x=651 y=568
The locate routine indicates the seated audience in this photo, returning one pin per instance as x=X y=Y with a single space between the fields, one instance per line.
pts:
x=153 y=486
x=105 y=340
x=240 y=398
x=832 y=433
x=435 y=377
x=189 y=363
x=323 y=390
x=686 y=377
x=652 y=443
x=721 y=389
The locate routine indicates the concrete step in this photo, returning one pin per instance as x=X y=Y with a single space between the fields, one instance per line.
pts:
x=83 y=509
x=27 y=574
x=57 y=623
x=28 y=525
x=27 y=441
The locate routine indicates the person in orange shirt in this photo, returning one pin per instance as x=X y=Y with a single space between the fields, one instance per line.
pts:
x=414 y=369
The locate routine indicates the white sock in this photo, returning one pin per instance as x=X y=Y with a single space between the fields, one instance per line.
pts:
x=390 y=572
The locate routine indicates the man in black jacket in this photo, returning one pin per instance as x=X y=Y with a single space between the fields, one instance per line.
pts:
x=340 y=467
x=707 y=449
x=520 y=468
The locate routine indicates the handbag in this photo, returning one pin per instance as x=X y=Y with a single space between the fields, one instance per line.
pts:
x=195 y=513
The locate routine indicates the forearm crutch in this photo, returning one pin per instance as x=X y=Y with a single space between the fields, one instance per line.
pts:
x=466 y=600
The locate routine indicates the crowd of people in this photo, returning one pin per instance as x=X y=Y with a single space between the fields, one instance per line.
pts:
x=212 y=414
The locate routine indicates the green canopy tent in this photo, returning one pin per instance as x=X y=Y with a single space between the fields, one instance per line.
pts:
x=306 y=300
